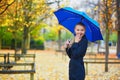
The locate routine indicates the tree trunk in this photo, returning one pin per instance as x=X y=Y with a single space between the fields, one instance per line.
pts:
x=98 y=47
x=25 y=40
x=26 y=34
x=107 y=36
x=118 y=26
x=0 y=43
x=23 y=46
x=92 y=47
x=59 y=40
x=1 y=36
x=28 y=41
x=118 y=43
x=15 y=44
x=107 y=50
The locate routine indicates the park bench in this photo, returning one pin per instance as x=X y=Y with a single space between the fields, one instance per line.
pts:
x=31 y=72
x=6 y=47
x=6 y=67
x=20 y=56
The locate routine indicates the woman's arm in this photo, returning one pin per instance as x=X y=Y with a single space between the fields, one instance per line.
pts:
x=68 y=51
x=79 y=49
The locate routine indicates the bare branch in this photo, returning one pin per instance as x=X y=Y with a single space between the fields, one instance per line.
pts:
x=7 y=7
x=4 y=10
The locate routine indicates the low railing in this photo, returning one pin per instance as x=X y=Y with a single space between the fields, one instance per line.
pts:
x=99 y=61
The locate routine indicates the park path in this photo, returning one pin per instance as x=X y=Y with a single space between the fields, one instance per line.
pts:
x=53 y=66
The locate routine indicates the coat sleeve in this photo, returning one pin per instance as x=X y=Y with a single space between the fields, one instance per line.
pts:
x=79 y=49
x=68 y=51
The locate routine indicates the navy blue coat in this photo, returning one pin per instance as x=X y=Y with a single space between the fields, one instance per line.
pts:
x=76 y=65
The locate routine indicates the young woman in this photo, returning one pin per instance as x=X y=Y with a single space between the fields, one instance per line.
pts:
x=76 y=51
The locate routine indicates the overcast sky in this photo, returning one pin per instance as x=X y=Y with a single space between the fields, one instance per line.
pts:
x=82 y=5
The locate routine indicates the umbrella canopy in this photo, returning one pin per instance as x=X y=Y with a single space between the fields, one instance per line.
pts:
x=69 y=17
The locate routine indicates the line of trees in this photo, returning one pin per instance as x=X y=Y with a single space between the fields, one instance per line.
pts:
x=20 y=18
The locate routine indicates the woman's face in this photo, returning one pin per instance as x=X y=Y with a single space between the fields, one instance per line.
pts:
x=79 y=30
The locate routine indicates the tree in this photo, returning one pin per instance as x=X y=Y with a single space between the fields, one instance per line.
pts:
x=24 y=16
x=14 y=21
x=4 y=5
x=34 y=12
x=107 y=8
x=58 y=2
x=2 y=32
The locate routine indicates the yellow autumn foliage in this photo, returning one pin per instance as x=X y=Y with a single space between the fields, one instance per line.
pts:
x=28 y=14
x=106 y=12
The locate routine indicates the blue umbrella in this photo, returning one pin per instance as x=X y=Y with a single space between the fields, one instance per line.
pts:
x=69 y=17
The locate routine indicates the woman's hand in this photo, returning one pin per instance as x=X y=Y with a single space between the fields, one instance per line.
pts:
x=77 y=38
x=67 y=44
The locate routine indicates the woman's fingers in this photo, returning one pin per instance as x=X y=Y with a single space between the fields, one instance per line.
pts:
x=67 y=44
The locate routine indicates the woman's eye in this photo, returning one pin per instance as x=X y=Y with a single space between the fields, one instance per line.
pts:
x=82 y=30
